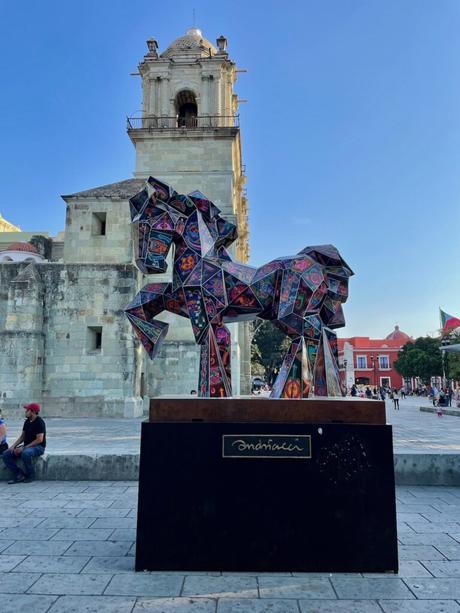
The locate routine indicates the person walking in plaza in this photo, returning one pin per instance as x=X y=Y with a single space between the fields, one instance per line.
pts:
x=3 y=443
x=449 y=394
x=396 y=399
x=29 y=445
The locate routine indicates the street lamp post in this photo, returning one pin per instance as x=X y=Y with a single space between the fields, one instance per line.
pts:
x=377 y=366
x=374 y=362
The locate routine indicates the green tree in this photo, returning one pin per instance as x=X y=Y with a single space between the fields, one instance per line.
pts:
x=421 y=358
x=452 y=360
x=269 y=345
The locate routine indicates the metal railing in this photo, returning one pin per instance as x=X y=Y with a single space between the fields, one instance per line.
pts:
x=183 y=123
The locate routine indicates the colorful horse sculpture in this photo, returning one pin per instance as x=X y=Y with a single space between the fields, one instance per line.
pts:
x=301 y=294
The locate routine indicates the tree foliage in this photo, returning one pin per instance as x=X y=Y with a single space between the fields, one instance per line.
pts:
x=421 y=358
x=452 y=360
x=269 y=345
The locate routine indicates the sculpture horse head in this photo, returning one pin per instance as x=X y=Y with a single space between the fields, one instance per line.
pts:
x=162 y=217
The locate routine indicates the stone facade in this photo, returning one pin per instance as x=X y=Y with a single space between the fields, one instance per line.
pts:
x=64 y=339
x=50 y=317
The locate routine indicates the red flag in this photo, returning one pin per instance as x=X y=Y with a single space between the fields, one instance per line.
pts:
x=448 y=322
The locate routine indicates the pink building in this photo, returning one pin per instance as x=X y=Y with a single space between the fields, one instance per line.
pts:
x=369 y=361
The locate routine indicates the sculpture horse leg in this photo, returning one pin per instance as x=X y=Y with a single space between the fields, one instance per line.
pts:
x=150 y=301
x=215 y=375
x=309 y=364
x=294 y=379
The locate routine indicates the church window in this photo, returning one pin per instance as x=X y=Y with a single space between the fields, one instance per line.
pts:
x=361 y=361
x=384 y=362
x=186 y=109
x=94 y=339
x=98 y=226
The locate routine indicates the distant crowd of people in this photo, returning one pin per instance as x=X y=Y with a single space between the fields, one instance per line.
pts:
x=380 y=393
x=440 y=397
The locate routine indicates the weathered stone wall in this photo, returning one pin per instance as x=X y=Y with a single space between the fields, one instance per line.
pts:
x=174 y=370
x=82 y=241
x=21 y=332
x=78 y=302
x=191 y=162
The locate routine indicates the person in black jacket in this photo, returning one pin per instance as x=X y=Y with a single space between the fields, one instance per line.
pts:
x=29 y=445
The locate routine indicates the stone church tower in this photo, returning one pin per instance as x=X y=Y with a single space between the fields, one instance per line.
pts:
x=64 y=338
x=188 y=136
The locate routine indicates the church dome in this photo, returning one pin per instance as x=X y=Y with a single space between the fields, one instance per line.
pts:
x=398 y=335
x=20 y=252
x=193 y=43
x=21 y=247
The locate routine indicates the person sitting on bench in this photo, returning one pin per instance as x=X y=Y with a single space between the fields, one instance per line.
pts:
x=29 y=445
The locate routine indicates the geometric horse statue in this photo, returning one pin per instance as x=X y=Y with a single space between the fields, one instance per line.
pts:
x=301 y=294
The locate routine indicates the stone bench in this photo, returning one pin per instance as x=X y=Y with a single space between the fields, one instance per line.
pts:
x=83 y=467
x=410 y=468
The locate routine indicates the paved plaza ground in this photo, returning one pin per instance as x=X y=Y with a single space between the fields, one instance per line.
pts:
x=69 y=547
x=413 y=432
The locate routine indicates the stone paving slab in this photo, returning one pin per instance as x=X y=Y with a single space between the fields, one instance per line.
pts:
x=72 y=583
x=419 y=606
x=250 y=605
x=51 y=548
x=92 y=604
x=145 y=584
x=445 y=588
x=295 y=587
x=364 y=587
x=220 y=587
x=176 y=605
x=110 y=565
x=99 y=548
x=26 y=603
x=51 y=564
x=50 y=575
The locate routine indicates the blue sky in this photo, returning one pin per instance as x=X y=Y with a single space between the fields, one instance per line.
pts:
x=351 y=133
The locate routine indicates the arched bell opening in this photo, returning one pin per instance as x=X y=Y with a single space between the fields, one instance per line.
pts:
x=186 y=109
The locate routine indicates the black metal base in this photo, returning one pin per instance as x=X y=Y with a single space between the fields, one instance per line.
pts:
x=200 y=510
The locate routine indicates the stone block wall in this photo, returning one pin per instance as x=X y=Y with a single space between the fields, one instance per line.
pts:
x=64 y=357
x=83 y=239
x=188 y=163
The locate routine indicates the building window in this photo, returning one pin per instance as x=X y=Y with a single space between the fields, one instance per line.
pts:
x=186 y=109
x=94 y=339
x=385 y=382
x=361 y=361
x=384 y=361
x=98 y=225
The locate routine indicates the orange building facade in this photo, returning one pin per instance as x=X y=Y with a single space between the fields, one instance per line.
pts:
x=370 y=361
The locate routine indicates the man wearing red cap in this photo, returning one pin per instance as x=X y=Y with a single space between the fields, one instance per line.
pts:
x=30 y=444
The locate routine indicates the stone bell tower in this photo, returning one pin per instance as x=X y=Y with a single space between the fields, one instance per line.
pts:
x=188 y=135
